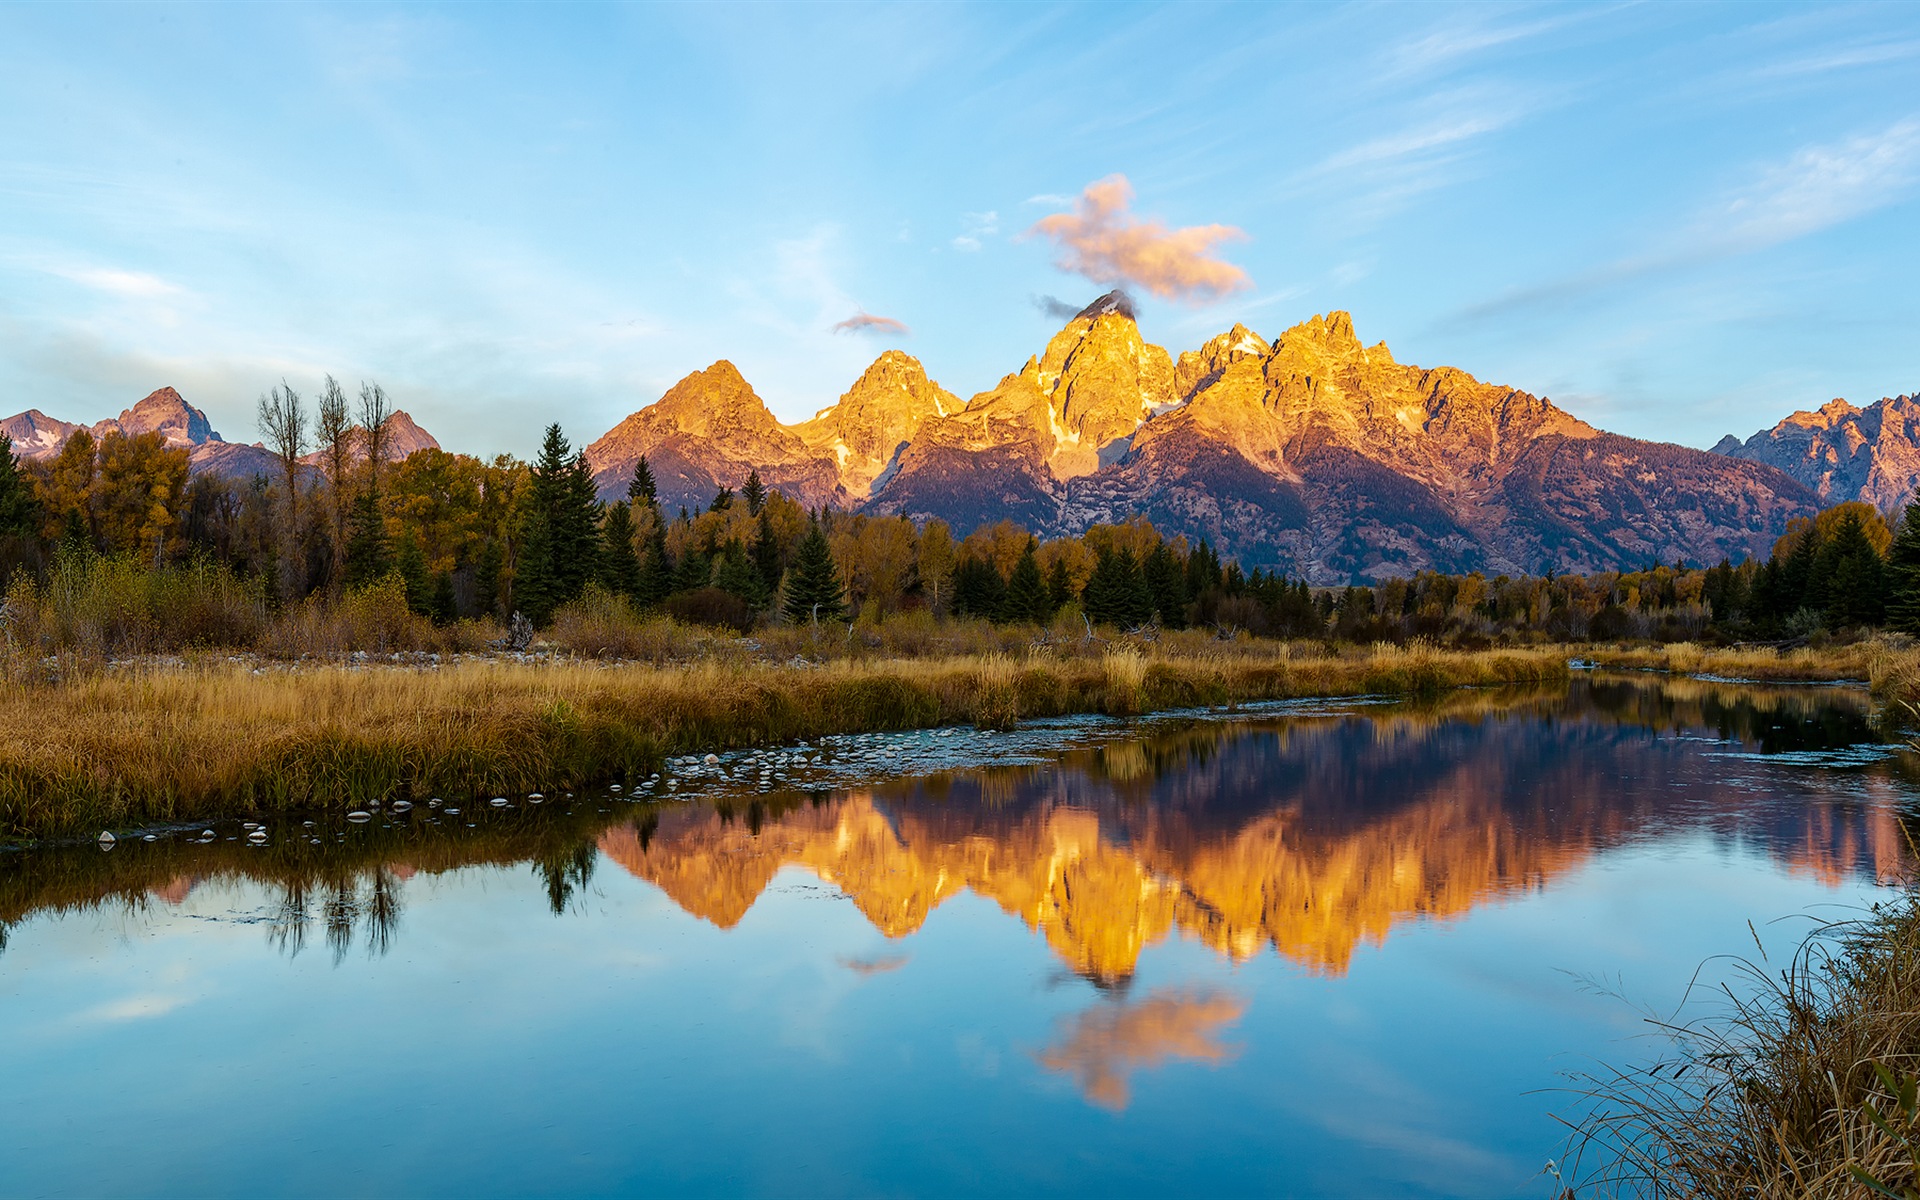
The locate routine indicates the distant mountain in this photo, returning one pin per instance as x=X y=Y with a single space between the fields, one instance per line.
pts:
x=36 y=436
x=1843 y=452
x=1311 y=453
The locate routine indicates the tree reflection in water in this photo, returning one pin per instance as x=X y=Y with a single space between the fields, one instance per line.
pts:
x=1304 y=835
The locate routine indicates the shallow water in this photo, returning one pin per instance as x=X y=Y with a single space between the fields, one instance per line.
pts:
x=1332 y=949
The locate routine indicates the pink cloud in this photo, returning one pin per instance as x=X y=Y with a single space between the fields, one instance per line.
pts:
x=1105 y=242
x=866 y=322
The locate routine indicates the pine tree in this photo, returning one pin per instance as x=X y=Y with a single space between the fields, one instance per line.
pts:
x=559 y=531
x=641 y=489
x=1852 y=575
x=755 y=493
x=19 y=512
x=619 y=563
x=411 y=564
x=736 y=576
x=722 y=500
x=656 y=573
x=1203 y=570
x=367 y=554
x=1800 y=586
x=766 y=553
x=1168 y=585
x=1059 y=585
x=441 y=605
x=1027 y=598
x=813 y=581
x=486 y=577
x=1903 y=573
x=694 y=570
x=1117 y=594
x=978 y=590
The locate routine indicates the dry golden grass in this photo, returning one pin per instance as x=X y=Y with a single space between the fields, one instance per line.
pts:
x=1873 y=661
x=171 y=741
x=1805 y=1084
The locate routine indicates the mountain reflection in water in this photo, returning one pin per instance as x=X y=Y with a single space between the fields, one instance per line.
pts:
x=1312 y=835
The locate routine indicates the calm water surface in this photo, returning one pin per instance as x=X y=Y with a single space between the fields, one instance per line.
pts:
x=1334 y=949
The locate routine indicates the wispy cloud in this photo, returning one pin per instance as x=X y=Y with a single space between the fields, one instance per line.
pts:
x=866 y=322
x=975 y=228
x=1822 y=186
x=1102 y=240
x=1458 y=42
x=1841 y=58
x=1055 y=307
x=136 y=285
x=1420 y=141
x=1815 y=189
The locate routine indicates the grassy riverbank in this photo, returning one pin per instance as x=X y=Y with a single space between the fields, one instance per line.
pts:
x=1805 y=1083
x=189 y=739
x=1875 y=661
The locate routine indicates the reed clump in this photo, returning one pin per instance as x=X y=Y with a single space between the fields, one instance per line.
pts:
x=213 y=736
x=1805 y=1084
x=1873 y=660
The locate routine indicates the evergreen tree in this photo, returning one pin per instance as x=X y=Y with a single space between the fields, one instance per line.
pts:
x=19 y=511
x=1117 y=594
x=722 y=500
x=1903 y=573
x=1168 y=585
x=1027 y=597
x=1059 y=585
x=736 y=575
x=766 y=553
x=411 y=564
x=656 y=573
x=1203 y=570
x=441 y=605
x=978 y=590
x=694 y=570
x=619 y=563
x=1800 y=587
x=641 y=489
x=755 y=493
x=1853 y=576
x=368 y=558
x=813 y=582
x=486 y=577
x=559 y=530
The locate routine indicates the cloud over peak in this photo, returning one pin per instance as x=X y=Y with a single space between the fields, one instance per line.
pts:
x=866 y=322
x=1104 y=241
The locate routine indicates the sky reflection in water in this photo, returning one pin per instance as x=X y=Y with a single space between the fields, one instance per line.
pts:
x=1339 y=951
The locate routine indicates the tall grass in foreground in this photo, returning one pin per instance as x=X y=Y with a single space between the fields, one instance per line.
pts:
x=1805 y=1084
x=184 y=741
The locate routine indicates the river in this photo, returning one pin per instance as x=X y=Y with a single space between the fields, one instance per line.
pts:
x=1338 y=948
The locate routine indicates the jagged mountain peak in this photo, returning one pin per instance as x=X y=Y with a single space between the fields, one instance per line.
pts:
x=165 y=412
x=1329 y=333
x=885 y=408
x=1843 y=451
x=1117 y=301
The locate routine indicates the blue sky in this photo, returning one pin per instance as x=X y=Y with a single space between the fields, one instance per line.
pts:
x=1676 y=221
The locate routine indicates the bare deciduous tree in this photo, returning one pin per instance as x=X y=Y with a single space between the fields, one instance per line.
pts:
x=283 y=423
x=374 y=411
x=334 y=425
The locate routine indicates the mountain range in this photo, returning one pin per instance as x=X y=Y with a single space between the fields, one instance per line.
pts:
x=1311 y=453
x=39 y=437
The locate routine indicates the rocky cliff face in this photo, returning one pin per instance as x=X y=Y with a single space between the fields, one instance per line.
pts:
x=1842 y=452
x=709 y=431
x=1325 y=458
x=880 y=415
